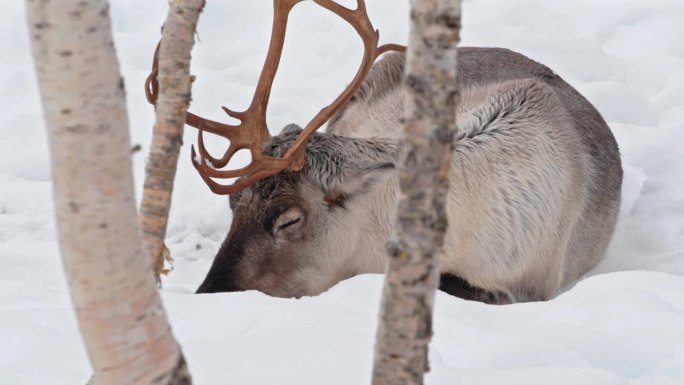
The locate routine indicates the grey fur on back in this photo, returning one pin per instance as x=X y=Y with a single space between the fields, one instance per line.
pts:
x=479 y=68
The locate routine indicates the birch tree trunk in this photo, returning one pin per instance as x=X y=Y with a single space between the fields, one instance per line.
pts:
x=425 y=150
x=118 y=307
x=174 y=83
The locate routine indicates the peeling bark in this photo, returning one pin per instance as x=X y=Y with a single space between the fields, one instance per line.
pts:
x=175 y=82
x=425 y=150
x=118 y=306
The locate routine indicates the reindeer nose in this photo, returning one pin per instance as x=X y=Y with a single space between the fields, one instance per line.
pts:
x=205 y=288
x=217 y=285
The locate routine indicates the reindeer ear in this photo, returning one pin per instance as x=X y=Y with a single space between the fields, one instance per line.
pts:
x=354 y=179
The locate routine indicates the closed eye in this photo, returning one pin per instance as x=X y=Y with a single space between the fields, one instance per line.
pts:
x=290 y=223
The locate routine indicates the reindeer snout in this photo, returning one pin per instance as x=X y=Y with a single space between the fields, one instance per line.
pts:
x=211 y=285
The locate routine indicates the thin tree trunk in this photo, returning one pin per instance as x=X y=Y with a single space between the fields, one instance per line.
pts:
x=425 y=150
x=118 y=307
x=174 y=83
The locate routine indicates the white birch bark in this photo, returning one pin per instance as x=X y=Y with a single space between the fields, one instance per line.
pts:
x=118 y=307
x=425 y=149
x=172 y=104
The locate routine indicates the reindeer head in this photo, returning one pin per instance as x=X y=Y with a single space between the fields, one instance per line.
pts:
x=291 y=233
x=295 y=189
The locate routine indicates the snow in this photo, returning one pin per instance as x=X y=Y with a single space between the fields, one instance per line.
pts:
x=622 y=325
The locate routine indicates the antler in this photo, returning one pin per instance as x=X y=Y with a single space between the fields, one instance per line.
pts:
x=252 y=132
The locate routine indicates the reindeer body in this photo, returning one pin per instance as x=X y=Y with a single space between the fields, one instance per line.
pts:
x=534 y=190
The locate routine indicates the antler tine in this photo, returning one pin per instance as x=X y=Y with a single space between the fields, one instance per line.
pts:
x=359 y=20
x=217 y=173
x=254 y=171
x=204 y=154
x=234 y=147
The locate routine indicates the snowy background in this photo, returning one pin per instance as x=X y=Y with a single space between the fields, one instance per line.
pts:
x=623 y=325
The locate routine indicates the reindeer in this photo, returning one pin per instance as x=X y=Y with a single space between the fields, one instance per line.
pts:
x=535 y=180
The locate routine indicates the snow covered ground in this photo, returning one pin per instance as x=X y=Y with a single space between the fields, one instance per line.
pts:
x=623 y=325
